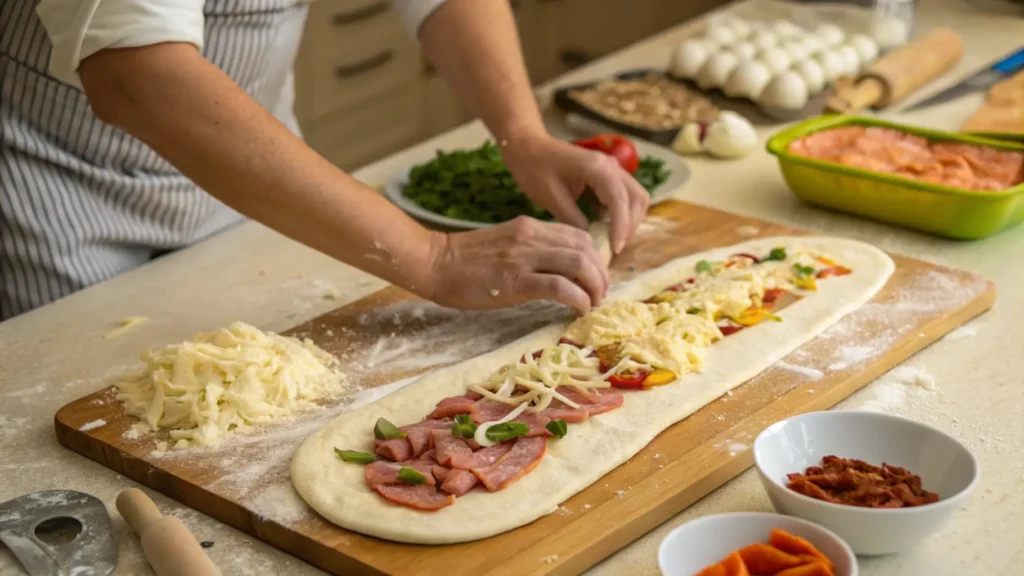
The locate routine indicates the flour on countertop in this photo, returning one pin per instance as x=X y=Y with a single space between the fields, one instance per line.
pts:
x=896 y=389
x=811 y=373
x=94 y=424
x=965 y=331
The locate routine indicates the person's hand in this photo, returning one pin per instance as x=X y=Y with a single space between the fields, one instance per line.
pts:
x=511 y=263
x=554 y=173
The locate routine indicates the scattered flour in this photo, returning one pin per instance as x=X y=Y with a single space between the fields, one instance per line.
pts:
x=811 y=373
x=965 y=331
x=850 y=355
x=898 y=388
x=93 y=424
x=280 y=503
x=748 y=231
x=549 y=559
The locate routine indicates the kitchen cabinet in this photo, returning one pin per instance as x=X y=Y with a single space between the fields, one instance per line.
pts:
x=364 y=90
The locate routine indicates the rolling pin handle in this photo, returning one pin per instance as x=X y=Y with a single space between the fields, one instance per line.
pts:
x=137 y=509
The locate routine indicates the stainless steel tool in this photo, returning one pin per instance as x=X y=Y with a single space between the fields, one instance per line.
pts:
x=980 y=80
x=59 y=532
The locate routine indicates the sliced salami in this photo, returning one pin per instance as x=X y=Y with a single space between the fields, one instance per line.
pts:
x=396 y=450
x=482 y=457
x=380 y=473
x=418 y=496
x=520 y=460
x=453 y=406
x=447 y=446
x=459 y=482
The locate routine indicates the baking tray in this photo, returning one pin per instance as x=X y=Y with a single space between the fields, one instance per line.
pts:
x=753 y=112
x=941 y=210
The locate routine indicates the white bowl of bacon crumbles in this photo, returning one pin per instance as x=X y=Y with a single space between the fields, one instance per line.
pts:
x=882 y=483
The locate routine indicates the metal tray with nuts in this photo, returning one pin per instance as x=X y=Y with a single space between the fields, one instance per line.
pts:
x=642 y=103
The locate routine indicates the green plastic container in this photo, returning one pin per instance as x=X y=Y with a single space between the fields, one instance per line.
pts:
x=942 y=210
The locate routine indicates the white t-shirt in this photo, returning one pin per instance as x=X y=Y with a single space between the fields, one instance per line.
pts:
x=80 y=28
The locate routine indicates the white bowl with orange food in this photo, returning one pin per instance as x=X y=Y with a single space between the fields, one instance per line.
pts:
x=765 y=543
x=875 y=510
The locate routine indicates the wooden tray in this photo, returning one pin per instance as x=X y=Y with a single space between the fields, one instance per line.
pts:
x=920 y=304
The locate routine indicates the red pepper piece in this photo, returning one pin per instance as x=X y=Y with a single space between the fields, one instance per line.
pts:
x=535 y=355
x=614 y=145
x=772 y=294
x=730 y=329
x=570 y=342
x=833 y=271
x=630 y=381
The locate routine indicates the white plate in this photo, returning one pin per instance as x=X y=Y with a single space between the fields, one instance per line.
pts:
x=945 y=466
x=705 y=541
x=679 y=174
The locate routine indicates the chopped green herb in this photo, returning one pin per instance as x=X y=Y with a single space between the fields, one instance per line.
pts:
x=411 y=475
x=775 y=254
x=475 y=185
x=557 y=427
x=384 y=430
x=704 y=266
x=506 y=431
x=463 y=426
x=695 y=311
x=803 y=271
x=354 y=456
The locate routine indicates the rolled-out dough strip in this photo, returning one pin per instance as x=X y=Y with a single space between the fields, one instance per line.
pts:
x=591 y=449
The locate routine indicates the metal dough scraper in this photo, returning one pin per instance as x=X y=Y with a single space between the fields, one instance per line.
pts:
x=59 y=532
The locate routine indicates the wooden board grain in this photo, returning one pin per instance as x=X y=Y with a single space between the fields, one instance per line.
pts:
x=919 y=305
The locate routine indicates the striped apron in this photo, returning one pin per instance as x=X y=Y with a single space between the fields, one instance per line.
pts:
x=82 y=201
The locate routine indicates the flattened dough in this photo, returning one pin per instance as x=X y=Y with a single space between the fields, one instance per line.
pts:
x=593 y=448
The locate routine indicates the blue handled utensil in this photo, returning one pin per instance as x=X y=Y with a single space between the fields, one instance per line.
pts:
x=980 y=80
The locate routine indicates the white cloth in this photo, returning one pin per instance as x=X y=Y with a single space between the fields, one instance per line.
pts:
x=80 y=28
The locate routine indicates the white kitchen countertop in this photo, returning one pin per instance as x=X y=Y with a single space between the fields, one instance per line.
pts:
x=56 y=354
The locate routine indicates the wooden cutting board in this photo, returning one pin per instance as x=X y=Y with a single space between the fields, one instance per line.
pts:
x=245 y=484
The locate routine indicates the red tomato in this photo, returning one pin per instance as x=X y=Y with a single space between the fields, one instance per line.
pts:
x=634 y=381
x=614 y=145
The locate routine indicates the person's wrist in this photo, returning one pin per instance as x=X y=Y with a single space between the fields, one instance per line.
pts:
x=432 y=266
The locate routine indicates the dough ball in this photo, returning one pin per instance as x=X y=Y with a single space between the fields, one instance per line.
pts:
x=730 y=136
x=850 y=60
x=776 y=59
x=890 y=32
x=812 y=74
x=744 y=50
x=748 y=80
x=831 y=64
x=812 y=44
x=786 y=91
x=786 y=29
x=795 y=49
x=764 y=40
x=688 y=58
x=716 y=70
x=830 y=34
x=722 y=35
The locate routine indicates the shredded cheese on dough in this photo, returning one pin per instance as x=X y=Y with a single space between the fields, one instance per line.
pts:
x=223 y=382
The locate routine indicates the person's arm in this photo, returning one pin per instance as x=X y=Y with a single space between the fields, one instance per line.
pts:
x=196 y=117
x=475 y=46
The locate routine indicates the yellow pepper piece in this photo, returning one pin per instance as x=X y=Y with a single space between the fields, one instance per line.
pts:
x=826 y=261
x=659 y=377
x=666 y=296
x=807 y=283
x=750 y=317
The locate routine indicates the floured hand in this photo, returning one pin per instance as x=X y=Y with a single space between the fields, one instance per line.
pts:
x=517 y=261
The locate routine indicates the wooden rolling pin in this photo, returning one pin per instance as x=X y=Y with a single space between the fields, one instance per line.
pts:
x=169 y=546
x=898 y=73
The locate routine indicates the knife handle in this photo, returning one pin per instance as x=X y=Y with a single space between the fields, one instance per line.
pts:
x=1010 y=64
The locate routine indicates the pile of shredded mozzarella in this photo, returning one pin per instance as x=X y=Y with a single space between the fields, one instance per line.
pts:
x=223 y=382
